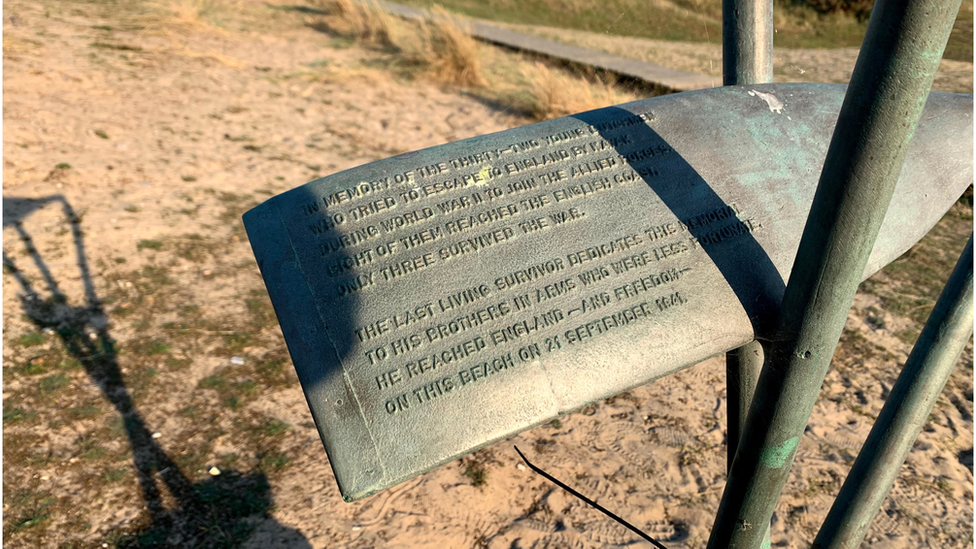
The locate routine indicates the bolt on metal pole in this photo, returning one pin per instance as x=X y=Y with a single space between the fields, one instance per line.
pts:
x=936 y=352
x=895 y=68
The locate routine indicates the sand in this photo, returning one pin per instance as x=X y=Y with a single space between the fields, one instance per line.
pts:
x=171 y=129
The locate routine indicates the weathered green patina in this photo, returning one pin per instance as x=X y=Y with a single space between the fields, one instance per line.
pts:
x=891 y=81
x=946 y=333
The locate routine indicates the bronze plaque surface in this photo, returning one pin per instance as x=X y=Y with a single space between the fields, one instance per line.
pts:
x=444 y=299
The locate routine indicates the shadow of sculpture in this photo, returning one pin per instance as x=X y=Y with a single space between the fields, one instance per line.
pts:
x=219 y=512
x=744 y=264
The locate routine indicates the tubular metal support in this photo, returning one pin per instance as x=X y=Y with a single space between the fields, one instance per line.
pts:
x=747 y=58
x=747 y=42
x=936 y=352
x=893 y=75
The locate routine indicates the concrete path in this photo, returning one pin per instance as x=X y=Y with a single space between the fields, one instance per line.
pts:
x=646 y=72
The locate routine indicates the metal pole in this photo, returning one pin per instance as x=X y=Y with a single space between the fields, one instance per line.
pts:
x=747 y=42
x=747 y=58
x=893 y=75
x=936 y=352
x=742 y=367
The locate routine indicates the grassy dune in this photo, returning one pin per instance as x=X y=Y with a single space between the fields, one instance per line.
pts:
x=691 y=21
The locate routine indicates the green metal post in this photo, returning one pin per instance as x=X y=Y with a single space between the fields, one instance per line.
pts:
x=747 y=42
x=893 y=75
x=936 y=352
x=747 y=58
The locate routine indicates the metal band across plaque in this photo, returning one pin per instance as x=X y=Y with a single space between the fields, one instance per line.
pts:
x=444 y=299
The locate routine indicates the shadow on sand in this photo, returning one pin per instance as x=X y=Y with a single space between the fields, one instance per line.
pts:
x=222 y=511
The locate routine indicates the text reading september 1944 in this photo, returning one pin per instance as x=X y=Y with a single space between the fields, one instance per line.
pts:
x=435 y=215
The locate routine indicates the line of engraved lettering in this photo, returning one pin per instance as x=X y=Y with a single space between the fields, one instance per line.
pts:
x=522 y=185
x=327 y=223
x=472 y=159
x=604 y=250
x=477 y=243
x=554 y=219
x=534 y=224
x=372 y=208
x=552 y=177
x=440 y=332
x=352 y=238
x=630 y=263
x=458 y=203
x=435 y=389
x=535 y=202
x=663 y=230
x=581 y=190
x=568 y=135
x=522 y=302
x=643 y=155
x=435 y=361
x=594 y=166
x=406 y=344
x=410 y=195
x=464 y=297
x=357 y=284
x=406 y=219
x=469 y=321
x=554 y=290
x=347 y=263
x=388 y=379
x=527 y=327
x=534 y=162
x=488 y=368
x=553 y=343
x=462 y=181
x=395 y=322
x=591 y=303
x=412 y=265
x=665 y=251
x=603 y=325
x=437 y=168
x=718 y=214
x=622 y=122
x=364 y=188
x=672 y=300
x=493 y=193
x=422 y=237
x=642 y=173
x=533 y=272
x=519 y=147
x=565 y=216
x=399 y=403
x=593 y=275
x=600 y=145
x=728 y=232
x=647 y=283
x=477 y=220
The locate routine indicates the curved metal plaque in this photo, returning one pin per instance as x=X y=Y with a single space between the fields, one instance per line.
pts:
x=441 y=300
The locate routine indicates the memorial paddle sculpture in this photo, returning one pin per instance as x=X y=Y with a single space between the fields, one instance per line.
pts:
x=444 y=299
x=441 y=300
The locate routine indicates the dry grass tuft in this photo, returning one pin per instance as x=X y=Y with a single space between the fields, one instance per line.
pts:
x=440 y=45
x=453 y=52
x=553 y=94
x=365 y=22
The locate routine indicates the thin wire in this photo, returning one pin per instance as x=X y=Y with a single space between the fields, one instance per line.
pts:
x=592 y=503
